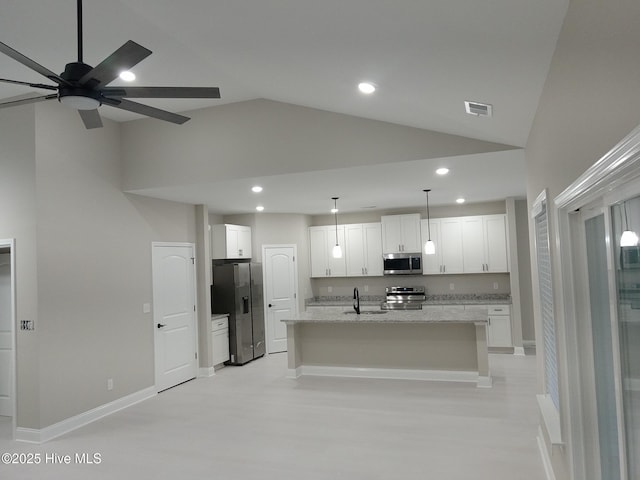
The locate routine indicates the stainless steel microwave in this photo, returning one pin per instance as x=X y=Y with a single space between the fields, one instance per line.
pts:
x=402 y=263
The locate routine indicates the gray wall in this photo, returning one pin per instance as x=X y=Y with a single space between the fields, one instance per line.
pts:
x=262 y=137
x=590 y=102
x=524 y=267
x=18 y=220
x=91 y=247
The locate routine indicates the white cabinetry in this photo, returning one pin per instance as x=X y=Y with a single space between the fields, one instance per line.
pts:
x=476 y=244
x=219 y=340
x=499 y=327
x=363 y=250
x=230 y=241
x=485 y=244
x=401 y=233
x=322 y=239
x=446 y=233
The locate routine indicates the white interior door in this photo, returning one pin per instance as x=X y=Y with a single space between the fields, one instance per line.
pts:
x=6 y=349
x=174 y=300
x=281 y=292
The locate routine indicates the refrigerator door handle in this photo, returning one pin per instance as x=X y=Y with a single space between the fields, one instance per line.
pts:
x=245 y=304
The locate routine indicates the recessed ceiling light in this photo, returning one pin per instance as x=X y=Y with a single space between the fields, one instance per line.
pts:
x=127 y=76
x=460 y=200
x=259 y=208
x=256 y=189
x=366 y=87
x=442 y=171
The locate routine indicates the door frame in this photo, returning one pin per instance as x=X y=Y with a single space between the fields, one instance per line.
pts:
x=613 y=177
x=155 y=245
x=264 y=282
x=13 y=368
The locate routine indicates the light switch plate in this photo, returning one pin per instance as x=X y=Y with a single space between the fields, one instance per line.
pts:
x=146 y=308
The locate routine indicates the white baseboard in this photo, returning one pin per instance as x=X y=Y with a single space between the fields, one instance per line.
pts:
x=32 y=435
x=204 y=372
x=391 y=373
x=518 y=351
x=544 y=454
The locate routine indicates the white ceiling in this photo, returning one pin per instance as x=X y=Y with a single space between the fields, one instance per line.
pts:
x=426 y=56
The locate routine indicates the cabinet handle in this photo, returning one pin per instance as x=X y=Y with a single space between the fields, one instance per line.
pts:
x=366 y=271
x=240 y=252
x=329 y=272
x=444 y=269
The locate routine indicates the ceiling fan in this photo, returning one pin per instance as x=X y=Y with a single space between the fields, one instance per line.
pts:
x=85 y=88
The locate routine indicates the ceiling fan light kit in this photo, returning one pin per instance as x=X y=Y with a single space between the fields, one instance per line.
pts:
x=84 y=88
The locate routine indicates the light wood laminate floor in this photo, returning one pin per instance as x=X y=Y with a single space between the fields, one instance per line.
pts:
x=251 y=422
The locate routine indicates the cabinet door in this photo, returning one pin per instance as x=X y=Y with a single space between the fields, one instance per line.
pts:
x=220 y=346
x=473 y=244
x=318 y=251
x=495 y=241
x=451 y=243
x=354 y=250
x=337 y=266
x=499 y=331
x=391 y=234
x=432 y=264
x=372 y=236
x=232 y=239
x=410 y=233
x=244 y=242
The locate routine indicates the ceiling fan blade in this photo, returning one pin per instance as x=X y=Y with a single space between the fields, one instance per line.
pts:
x=124 y=58
x=90 y=118
x=27 y=62
x=145 y=110
x=25 y=101
x=162 y=92
x=35 y=85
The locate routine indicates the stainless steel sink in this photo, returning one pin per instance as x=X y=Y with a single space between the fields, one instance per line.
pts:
x=367 y=312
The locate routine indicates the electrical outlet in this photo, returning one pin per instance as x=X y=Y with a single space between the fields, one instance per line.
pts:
x=452 y=286
x=495 y=285
x=146 y=308
x=329 y=289
x=366 y=288
x=109 y=383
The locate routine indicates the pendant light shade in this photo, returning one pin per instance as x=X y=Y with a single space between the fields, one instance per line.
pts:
x=429 y=245
x=629 y=238
x=337 y=250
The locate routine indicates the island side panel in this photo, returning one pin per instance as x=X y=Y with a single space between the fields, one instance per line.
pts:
x=294 y=357
x=414 y=346
x=482 y=349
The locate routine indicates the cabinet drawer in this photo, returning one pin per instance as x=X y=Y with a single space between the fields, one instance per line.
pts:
x=219 y=324
x=498 y=309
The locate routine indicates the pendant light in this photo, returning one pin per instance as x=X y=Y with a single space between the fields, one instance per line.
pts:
x=429 y=245
x=337 y=251
x=629 y=238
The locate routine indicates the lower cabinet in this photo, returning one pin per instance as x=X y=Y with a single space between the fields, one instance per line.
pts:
x=499 y=328
x=220 y=340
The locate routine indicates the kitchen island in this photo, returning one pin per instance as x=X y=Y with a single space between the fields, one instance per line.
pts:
x=446 y=345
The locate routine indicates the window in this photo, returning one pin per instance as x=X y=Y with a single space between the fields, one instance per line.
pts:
x=543 y=261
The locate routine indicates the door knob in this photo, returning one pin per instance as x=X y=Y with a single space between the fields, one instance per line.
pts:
x=270 y=305
x=160 y=325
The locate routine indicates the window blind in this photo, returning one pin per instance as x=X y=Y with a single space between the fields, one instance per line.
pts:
x=546 y=305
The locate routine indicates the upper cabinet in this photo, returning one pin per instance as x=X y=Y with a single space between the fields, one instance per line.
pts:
x=401 y=233
x=363 y=249
x=230 y=241
x=321 y=241
x=485 y=244
x=476 y=244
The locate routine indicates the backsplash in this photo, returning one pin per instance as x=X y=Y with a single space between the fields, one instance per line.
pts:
x=464 y=284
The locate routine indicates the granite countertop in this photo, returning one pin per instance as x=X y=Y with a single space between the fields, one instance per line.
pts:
x=452 y=299
x=343 y=315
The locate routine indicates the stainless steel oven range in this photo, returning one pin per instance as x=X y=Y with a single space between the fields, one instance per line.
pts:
x=404 y=298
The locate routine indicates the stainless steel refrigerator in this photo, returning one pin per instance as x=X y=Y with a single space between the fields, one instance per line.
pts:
x=237 y=290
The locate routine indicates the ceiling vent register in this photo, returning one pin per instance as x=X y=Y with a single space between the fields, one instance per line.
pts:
x=478 y=109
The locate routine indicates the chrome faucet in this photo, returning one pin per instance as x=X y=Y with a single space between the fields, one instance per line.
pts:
x=356 y=300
